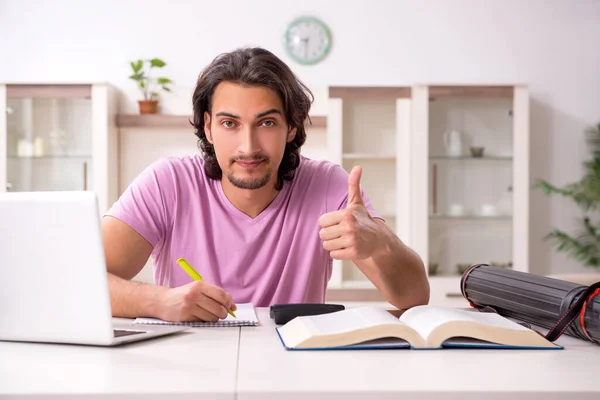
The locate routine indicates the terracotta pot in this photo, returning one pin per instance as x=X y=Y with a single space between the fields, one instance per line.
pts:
x=148 y=106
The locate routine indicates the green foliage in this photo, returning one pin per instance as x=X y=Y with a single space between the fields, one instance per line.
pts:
x=584 y=246
x=150 y=86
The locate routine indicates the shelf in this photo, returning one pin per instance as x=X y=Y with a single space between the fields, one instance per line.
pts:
x=58 y=91
x=369 y=92
x=447 y=276
x=471 y=91
x=182 y=121
x=470 y=158
x=472 y=217
x=49 y=157
x=367 y=156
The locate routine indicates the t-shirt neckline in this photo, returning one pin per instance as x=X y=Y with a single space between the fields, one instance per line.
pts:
x=263 y=214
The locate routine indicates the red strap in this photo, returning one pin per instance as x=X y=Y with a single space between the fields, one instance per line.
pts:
x=582 y=315
x=464 y=282
x=576 y=309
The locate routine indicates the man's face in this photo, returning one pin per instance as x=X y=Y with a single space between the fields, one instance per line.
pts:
x=248 y=131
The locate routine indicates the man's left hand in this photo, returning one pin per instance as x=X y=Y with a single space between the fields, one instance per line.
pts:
x=351 y=233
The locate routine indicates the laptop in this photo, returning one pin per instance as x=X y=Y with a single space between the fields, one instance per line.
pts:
x=53 y=280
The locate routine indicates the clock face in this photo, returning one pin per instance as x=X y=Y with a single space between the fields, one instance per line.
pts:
x=307 y=40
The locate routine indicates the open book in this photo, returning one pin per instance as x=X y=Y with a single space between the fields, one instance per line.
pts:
x=246 y=316
x=421 y=327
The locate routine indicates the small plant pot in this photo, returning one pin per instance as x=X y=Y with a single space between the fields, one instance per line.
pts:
x=477 y=152
x=148 y=106
x=433 y=268
x=461 y=268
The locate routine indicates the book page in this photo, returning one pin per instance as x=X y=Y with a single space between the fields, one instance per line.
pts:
x=348 y=320
x=245 y=313
x=424 y=319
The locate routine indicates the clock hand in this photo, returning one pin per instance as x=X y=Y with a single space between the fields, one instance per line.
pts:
x=305 y=40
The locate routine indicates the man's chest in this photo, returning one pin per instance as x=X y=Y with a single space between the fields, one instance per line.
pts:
x=238 y=251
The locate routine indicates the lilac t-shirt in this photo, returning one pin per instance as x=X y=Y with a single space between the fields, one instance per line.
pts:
x=277 y=257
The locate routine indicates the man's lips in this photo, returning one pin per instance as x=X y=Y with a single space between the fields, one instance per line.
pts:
x=249 y=164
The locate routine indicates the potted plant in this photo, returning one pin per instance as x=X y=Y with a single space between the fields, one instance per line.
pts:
x=150 y=86
x=584 y=245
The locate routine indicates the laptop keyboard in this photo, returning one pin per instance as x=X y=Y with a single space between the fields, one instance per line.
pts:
x=123 y=332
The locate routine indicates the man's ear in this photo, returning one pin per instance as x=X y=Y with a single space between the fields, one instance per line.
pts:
x=207 y=127
x=291 y=134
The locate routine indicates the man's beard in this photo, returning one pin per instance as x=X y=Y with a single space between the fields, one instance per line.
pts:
x=250 y=183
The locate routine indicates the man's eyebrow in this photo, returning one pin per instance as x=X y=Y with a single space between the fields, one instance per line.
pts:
x=265 y=113
x=258 y=116
x=226 y=114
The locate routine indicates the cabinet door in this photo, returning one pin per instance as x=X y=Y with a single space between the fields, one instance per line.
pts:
x=48 y=137
x=470 y=180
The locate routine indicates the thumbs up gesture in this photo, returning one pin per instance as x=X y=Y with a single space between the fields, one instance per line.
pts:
x=351 y=233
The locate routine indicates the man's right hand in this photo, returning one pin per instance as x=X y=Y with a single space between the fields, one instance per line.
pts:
x=196 y=301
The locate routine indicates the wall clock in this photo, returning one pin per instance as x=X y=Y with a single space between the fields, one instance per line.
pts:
x=307 y=40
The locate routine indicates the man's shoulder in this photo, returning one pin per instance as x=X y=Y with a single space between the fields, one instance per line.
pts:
x=320 y=169
x=178 y=165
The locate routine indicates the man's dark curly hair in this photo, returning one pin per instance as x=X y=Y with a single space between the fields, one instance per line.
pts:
x=253 y=67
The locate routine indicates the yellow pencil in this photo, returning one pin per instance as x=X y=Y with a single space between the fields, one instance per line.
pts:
x=195 y=275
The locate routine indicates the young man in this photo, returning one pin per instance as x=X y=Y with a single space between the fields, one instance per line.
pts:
x=257 y=220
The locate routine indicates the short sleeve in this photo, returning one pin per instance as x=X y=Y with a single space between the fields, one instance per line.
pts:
x=337 y=192
x=144 y=204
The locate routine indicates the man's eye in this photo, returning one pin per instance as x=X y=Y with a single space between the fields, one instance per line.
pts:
x=269 y=123
x=228 y=124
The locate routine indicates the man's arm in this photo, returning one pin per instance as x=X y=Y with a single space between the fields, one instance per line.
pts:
x=126 y=254
x=396 y=270
x=352 y=234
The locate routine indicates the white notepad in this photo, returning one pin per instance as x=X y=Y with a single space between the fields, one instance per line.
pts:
x=246 y=316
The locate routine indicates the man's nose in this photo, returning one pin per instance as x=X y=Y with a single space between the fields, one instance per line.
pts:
x=249 y=141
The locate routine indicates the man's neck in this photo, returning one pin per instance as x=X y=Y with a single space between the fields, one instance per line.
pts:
x=250 y=202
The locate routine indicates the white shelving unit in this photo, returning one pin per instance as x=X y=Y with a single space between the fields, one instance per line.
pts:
x=466 y=209
x=370 y=127
x=59 y=137
x=451 y=209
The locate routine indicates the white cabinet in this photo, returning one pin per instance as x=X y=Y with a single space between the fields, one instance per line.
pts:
x=370 y=127
x=59 y=137
x=469 y=190
x=447 y=167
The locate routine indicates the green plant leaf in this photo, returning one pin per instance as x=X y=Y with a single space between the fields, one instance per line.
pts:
x=593 y=140
x=166 y=89
x=142 y=84
x=163 y=81
x=584 y=244
x=137 y=77
x=138 y=66
x=585 y=248
x=157 y=62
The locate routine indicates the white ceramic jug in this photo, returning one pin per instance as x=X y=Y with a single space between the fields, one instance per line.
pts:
x=453 y=143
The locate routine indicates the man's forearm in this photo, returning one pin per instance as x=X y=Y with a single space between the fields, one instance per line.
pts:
x=130 y=299
x=397 y=271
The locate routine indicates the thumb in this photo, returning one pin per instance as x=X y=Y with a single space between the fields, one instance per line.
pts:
x=354 y=196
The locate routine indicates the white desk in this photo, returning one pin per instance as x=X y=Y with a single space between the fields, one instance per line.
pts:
x=198 y=363
x=267 y=371
x=221 y=363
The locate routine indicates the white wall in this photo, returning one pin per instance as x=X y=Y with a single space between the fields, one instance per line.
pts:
x=551 y=45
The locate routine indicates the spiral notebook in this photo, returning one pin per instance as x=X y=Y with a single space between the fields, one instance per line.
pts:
x=246 y=316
